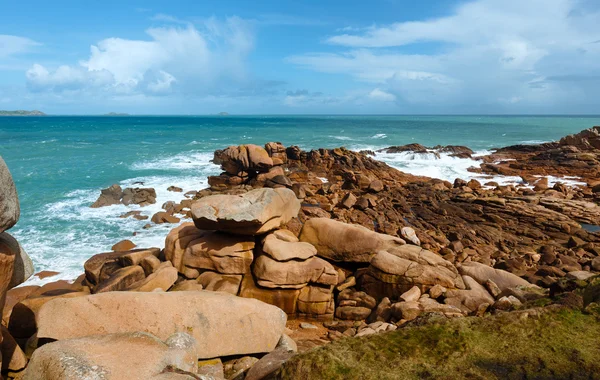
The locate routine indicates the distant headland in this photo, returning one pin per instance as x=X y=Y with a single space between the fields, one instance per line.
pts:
x=22 y=113
x=116 y=114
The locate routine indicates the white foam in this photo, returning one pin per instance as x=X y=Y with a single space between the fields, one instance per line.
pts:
x=343 y=138
x=83 y=231
x=182 y=161
x=379 y=136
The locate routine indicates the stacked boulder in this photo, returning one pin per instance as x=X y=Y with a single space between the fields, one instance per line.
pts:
x=250 y=165
x=236 y=245
x=15 y=266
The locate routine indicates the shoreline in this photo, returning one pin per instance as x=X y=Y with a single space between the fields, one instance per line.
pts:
x=298 y=249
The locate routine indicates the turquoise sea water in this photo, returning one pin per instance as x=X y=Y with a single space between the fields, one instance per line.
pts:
x=60 y=163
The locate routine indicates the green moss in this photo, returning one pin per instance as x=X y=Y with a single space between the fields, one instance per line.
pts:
x=558 y=344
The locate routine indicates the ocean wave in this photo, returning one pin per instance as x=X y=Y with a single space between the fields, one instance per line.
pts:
x=343 y=138
x=69 y=231
x=379 y=136
x=533 y=142
x=182 y=161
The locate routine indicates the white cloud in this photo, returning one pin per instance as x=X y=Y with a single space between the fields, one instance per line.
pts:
x=174 y=58
x=378 y=94
x=13 y=45
x=485 y=52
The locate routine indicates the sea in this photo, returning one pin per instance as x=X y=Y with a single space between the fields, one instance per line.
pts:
x=60 y=164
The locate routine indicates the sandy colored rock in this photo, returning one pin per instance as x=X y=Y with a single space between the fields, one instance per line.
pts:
x=149 y=264
x=406 y=310
x=344 y=242
x=268 y=364
x=163 y=278
x=122 y=279
x=110 y=196
x=413 y=294
x=22 y=265
x=410 y=235
x=177 y=241
x=481 y=273
x=282 y=250
x=123 y=245
x=411 y=265
x=13 y=358
x=255 y=212
x=134 y=355
x=470 y=299
x=293 y=274
x=22 y=322
x=285 y=299
x=220 y=252
x=164 y=217
x=9 y=201
x=134 y=257
x=241 y=158
x=187 y=285
x=13 y=297
x=217 y=282
x=316 y=300
x=222 y=324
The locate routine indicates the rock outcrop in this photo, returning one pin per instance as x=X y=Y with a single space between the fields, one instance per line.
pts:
x=255 y=212
x=115 y=195
x=134 y=355
x=221 y=324
x=345 y=242
x=9 y=201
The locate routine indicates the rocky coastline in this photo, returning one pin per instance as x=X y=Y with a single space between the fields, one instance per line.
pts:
x=289 y=250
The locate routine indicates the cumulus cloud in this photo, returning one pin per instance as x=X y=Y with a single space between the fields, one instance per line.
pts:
x=179 y=58
x=485 y=52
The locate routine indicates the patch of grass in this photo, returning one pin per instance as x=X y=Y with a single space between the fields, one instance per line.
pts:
x=557 y=344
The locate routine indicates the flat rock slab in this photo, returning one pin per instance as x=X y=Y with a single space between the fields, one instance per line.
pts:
x=344 y=242
x=253 y=213
x=112 y=357
x=222 y=324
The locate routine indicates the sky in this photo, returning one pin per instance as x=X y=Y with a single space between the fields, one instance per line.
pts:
x=301 y=57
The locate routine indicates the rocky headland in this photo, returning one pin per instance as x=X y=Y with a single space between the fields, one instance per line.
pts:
x=289 y=250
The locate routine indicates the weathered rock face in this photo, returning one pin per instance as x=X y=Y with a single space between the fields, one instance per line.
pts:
x=293 y=274
x=255 y=212
x=398 y=269
x=243 y=158
x=470 y=299
x=282 y=247
x=221 y=324
x=22 y=266
x=115 y=195
x=134 y=355
x=482 y=273
x=113 y=271
x=8 y=252
x=339 y=241
x=221 y=252
x=9 y=201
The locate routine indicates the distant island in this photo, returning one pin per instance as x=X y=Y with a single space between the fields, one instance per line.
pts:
x=22 y=113
x=223 y=114
x=116 y=114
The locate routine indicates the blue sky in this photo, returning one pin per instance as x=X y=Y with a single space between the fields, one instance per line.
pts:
x=292 y=57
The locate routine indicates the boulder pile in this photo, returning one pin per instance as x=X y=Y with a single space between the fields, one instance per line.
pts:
x=15 y=267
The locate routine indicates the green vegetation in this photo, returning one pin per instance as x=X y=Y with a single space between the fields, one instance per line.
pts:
x=558 y=344
x=22 y=113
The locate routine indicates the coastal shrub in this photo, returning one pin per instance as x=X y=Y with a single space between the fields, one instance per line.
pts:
x=557 y=344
